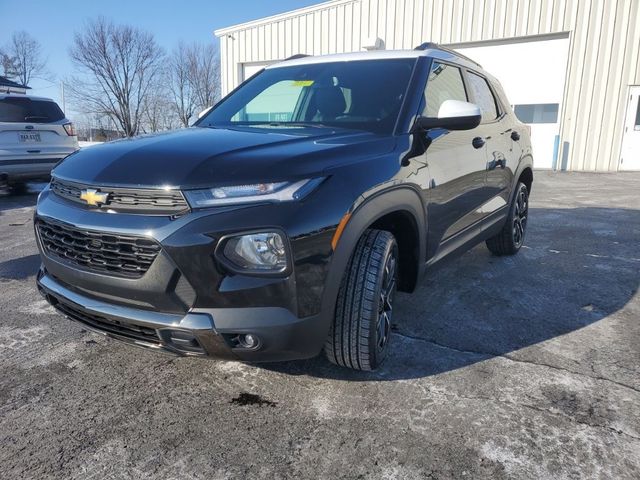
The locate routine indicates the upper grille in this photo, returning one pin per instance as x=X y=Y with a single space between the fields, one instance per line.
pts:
x=132 y=200
x=121 y=255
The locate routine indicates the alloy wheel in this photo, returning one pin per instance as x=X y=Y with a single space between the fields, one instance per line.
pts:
x=520 y=217
x=385 y=307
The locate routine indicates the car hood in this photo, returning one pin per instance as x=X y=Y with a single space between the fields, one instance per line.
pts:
x=199 y=157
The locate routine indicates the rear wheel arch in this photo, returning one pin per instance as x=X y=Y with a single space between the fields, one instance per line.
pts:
x=524 y=174
x=526 y=177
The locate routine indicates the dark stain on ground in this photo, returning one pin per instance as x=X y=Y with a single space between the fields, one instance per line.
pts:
x=251 y=399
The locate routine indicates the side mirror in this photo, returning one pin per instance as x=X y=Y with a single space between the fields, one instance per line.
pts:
x=453 y=115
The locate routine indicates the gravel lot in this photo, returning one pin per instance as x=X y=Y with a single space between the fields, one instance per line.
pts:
x=522 y=367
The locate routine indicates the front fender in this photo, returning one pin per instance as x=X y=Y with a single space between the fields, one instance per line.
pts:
x=401 y=198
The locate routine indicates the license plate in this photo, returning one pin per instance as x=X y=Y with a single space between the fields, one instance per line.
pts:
x=30 y=137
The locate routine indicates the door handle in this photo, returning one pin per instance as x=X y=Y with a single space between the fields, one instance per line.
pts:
x=498 y=161
x=515 y=136
x=478 y=142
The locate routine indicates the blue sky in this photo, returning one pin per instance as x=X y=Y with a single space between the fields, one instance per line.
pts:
x=53 y=23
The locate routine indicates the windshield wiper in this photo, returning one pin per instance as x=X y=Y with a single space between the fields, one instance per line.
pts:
x=35 y=117
x=311 y=124
x=294 y=124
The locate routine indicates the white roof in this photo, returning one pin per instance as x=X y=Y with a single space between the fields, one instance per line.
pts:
x=375 y=55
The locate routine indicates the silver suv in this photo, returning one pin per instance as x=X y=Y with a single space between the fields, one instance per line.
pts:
x=34 y=136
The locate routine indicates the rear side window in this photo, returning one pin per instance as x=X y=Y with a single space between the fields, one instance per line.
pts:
x=445 y=83
x=19 y=110
x=483 y=96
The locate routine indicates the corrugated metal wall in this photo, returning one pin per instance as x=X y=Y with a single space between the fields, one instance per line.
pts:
x=603 y=57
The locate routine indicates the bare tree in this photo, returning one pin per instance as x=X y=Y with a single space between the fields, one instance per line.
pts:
x=120 y=65
x=22 y=59
x=181 y=84
x=159 y=113
x=7 y=64
x=204 y=74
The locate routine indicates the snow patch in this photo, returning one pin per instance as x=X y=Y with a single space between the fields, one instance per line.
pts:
x=40 y=307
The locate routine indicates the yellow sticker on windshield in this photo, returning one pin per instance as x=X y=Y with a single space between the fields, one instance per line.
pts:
x=302 y=83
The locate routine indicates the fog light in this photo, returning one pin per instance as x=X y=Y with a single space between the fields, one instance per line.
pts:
x=264 y=251
x=248 y=341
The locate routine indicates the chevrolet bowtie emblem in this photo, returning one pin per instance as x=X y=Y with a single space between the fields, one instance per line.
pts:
x=93 y=197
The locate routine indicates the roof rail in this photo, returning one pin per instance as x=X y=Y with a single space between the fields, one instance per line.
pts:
x=296 y=56
x=435 y=46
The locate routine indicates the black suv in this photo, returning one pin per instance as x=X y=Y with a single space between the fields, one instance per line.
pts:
x=285 y=220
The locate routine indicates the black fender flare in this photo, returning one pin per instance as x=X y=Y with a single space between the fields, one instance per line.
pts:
x=401 y=198
x=526 y=162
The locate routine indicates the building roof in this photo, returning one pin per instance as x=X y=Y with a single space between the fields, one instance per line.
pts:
x=5 y=82
x=280 y=16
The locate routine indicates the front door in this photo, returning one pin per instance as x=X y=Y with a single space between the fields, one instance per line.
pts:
x=630 y=155
x=456 y=163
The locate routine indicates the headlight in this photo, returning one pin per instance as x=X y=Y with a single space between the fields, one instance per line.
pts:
x=257 y=192
x=261 y=251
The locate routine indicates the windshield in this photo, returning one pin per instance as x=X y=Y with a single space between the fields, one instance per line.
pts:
x=20 y=110
x=363 y=95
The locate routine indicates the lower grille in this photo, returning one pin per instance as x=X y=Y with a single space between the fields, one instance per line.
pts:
x=121 y=255
x=108 y=325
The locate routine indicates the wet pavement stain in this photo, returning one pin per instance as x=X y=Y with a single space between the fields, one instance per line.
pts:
x=245 y=399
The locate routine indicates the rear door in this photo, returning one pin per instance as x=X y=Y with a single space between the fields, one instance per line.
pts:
x=456 y=165
x=495 y=130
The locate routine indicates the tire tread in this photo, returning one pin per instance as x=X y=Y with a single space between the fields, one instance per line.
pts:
x=349 y=341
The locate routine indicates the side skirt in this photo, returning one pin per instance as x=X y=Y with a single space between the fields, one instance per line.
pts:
x=467 y=239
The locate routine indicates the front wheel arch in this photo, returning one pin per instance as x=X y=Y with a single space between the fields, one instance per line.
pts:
x=399 y=199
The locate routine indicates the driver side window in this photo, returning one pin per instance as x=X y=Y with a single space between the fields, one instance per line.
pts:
x=444 y=83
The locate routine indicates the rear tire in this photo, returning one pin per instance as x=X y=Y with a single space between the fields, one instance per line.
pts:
x=511 y=238
x=359 y=336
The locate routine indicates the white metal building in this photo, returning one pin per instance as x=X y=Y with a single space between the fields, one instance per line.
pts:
x=571 y=68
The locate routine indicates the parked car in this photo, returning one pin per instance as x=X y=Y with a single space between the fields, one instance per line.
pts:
x=34 y=136
x=285 y=221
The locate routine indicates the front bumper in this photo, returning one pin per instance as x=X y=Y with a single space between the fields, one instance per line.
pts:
x=186 y=283
x=196 y=333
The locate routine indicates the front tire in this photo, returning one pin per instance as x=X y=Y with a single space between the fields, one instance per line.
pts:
x=359 y=336
x=511 y=238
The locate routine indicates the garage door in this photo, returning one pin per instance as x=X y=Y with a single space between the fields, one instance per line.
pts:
x=533 y=75
x=630 y=155
x=249 y=69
